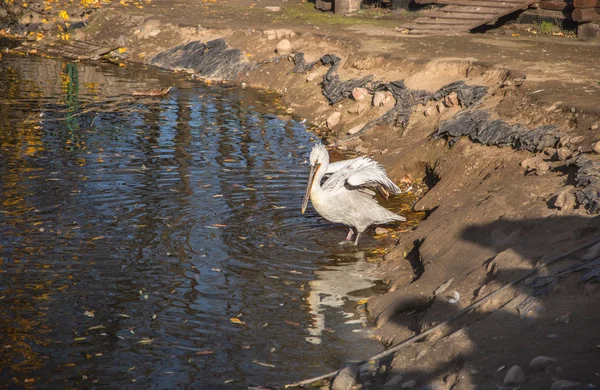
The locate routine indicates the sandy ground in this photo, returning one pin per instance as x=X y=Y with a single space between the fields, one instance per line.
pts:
x=488 y=219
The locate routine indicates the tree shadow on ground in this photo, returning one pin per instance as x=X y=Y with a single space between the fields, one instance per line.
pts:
x=519 y=324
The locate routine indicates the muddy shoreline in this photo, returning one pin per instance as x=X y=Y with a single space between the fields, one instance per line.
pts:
x=494 y=210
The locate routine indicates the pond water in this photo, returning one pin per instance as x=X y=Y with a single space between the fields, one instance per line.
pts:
x=157 y=242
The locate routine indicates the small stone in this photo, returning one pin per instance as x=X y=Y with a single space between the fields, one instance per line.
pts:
x=564 y=153
x=358 y=108
x=540 y=363
x=596 y=147
x=576 y=139
x=284 y=47
x=440 y=107
x=428 y=111
x=312 y=76
x=333 y=119
x=535 y=164
x=595 y=126
x=562 y=384
x=409 y=384
x=549 y=152
x=451 y=100
x=273 y=8
x=435 y=385
x=379 y=99
x=573 y=110
x=284 y=33
x=514 y=376
x=588 y=31
x=393 y=383
x=564 y=199
x=270 y=34
x=346 y=378
x=359 y=94
x=381 y=230
x=355 y=130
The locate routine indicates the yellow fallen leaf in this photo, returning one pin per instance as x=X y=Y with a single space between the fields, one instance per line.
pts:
x=122 y=50
x=362 y=302
x=237 y=321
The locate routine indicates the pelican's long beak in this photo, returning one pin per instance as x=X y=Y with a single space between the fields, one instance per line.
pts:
x=311 y=178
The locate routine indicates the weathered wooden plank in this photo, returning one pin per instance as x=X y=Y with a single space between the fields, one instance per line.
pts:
x=585 y=15
x=438 y=32
x=471 y=9
x=479 y=14
x=483 y=4
x=440 y=14
x=586 y=3
x=432 y=26
x=458 y=22
x=556 y=5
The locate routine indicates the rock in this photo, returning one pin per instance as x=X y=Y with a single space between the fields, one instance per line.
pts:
x=428 y=111
x=324 y=5
x=549 y=152
x=281 y=33
x=409 y=384
x=435 y=385
x=270 y=34
x=539 y=363
x=564 y=153
x=393 y=383
x=451 y=100
x=535 y=164
x=357 y=108
x=355 y=130
x=595 y=126
x=440 y=107
x=312 y=76
x=284 y=47
x=514 y=376
x=588 y=31
x=379 y=99
x=272 y=8
x=564 y=199
x=381 y=230
x=346 y=378
x=576 y=139
x=333 y=119
x=596 y=147
x=359 y=94
x=562 y=384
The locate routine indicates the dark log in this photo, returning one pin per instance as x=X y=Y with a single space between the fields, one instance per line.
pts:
x=585 y=15
x=556 y=5
x=585 y=3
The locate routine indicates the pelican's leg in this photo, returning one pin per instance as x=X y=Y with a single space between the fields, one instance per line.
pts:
x=357 y=236
x=348 y=239
x=350 y=234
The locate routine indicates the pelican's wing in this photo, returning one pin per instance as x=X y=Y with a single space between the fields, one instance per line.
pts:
x=336 y=166
x=360 y=172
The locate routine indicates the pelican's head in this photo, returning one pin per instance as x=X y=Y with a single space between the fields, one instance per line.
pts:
x=318 y=157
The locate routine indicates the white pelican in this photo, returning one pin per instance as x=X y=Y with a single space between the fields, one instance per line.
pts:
x=344 y=197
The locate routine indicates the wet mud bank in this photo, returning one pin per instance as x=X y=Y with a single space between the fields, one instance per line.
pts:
x=512 y=170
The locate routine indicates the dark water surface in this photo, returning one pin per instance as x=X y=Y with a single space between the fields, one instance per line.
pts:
x=157 y=242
